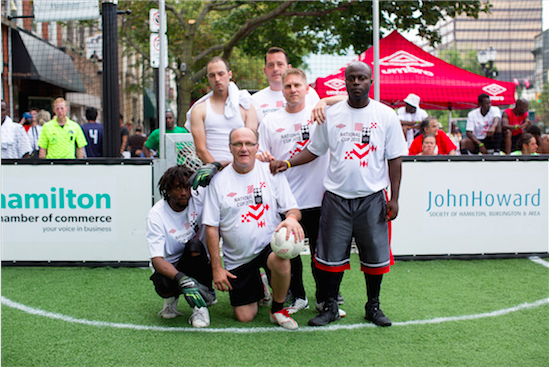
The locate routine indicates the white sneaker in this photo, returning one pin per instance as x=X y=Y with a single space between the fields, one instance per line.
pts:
x=320 y=306
x=297 y=305
x=283 y=319
x=267 y=298
x=169 y=311
x=200 y=317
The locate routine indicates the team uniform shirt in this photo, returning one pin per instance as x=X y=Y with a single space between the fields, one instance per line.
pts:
x=444 y=144
x=154 y=139
x=15 y=142
x=516 y=120
x=285 y=135
x=217 y=129
x=360 y=141
x=478 y=124
x=168 y=231
x=61 y=141
x=245 y=207
x=267 y=101
x=417 y=116
x=93 y=132
x=33 y=132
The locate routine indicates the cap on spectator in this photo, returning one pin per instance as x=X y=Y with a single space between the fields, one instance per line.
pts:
x=412 y=100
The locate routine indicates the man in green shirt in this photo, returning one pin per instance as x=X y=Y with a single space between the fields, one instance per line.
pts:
x=171 y=128
x=61 y=138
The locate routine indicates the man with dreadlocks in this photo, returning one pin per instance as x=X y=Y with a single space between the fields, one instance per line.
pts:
x=178 y=255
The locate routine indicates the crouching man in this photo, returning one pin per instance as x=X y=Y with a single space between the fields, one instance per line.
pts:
x=179 y=257
x=242 y=204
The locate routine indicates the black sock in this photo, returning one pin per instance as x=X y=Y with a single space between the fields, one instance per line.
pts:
x=373 y=285
x=498 y=137
x=276 y=306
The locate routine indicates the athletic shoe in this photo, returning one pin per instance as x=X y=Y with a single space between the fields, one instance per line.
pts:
x=297 y=305
x=200 y=317
x=340 y=299
x=283 y=319
x=169 y=311
x=267 y=297
x=320 y=306
x=329 y=313
x=214 y=298
x=374 y=313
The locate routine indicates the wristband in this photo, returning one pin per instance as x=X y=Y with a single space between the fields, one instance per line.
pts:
x=516 y=127
x=481 y=145
x=293 y=216
x=288 y=163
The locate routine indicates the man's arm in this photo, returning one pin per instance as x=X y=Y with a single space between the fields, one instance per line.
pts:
x=477 y=142
x=293 y=216
x=163 y=267
x=42 y=153
x=505 y=121
x=220 y=275
x=250 y=117
x=318 y=113
x=198 y=115
x=79 y=153
x=305 y=156
x=124 y=143
x=395 y=169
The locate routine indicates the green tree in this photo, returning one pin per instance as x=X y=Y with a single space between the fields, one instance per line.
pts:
x=466 y=60
x=541 y=106
x=199 y=30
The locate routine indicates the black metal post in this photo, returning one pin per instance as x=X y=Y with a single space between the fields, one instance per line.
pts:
x=111 y=109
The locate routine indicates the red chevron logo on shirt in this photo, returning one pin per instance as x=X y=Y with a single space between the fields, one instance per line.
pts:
x=256 y=213
x=361 y=151
x=279 y=130
x=264 y=105
x=340 y=126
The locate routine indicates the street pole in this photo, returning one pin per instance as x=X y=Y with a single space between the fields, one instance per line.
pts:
x=162 y=82
x=376 y=50
x=111 y=109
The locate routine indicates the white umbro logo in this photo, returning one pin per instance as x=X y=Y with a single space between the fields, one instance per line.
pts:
x=336 y=84
x=494 y=89
x=403 y=58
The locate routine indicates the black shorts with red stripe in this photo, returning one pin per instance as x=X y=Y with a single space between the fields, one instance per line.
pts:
x=362 y=218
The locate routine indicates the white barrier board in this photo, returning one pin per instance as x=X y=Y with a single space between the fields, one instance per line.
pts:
x=75 y=212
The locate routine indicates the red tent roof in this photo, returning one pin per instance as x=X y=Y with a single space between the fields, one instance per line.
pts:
x=406 y=68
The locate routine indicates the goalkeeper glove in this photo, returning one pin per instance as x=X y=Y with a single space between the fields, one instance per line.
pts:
x=196 y=294
x=204 y=175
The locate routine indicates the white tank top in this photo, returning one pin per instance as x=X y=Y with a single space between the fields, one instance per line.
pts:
x=218 y=128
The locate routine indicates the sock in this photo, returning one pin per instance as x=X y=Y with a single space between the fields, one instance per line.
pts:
x=498 y=137
x=373 y=285
x=276 y=307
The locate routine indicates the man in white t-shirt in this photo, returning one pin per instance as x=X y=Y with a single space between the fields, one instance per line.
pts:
x=283 y=134
x=366 y=144
x=213 y=117
x=271 y=98
x=242 y=204
x=410 y=117
x=484 y=129
x=15 y=142
x=178 y=255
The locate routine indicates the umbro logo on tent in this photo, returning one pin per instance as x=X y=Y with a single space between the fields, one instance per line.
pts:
x=335 y=84
x=403 y=58
x=494 y=89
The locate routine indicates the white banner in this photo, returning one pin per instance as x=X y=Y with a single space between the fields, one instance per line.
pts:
x=75 y=212
x=63 y=10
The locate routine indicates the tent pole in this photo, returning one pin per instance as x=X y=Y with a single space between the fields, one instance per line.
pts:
x=376 y=49
x=449 y=121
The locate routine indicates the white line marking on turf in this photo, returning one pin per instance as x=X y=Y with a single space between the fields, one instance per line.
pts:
x=539 y=260
x=35 y=311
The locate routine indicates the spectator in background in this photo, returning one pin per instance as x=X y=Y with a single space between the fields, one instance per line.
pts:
x=93 y=132
x=136 y=141
x=483 y=129
x=33 y=130
x=129 y=126
x=515 y=122
x=154 y=139
x=410 y=117
x=15 y=143
x=541 y=140
x=42 y=117
x=526 y=144
x=61 y=138
x=124 y=135
x=428 y=145
x=429 y=126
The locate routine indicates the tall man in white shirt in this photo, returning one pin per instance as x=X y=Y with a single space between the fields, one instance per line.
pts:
x=242 y=204
x=283 y=134
x=218 y=113
x=15 y=142
x=271 y=98
x=484 y=129
x=366 y=144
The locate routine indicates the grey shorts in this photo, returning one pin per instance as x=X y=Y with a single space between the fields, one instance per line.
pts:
x=362 y=218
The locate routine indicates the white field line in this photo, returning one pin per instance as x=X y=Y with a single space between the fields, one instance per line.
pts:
x=539 y=260
x=35 y=311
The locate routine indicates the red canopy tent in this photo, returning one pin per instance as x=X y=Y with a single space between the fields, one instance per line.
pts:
x=406 y=68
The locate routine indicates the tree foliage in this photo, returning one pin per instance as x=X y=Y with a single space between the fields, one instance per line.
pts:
x=199 y=30
x=541 y=106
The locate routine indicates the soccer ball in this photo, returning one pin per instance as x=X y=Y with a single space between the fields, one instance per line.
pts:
x=286 y=249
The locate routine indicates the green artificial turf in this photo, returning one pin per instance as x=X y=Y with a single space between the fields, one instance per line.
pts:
x=411 y=291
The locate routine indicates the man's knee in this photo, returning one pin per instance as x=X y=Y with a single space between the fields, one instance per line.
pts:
x=245 y=313
x=278 y=265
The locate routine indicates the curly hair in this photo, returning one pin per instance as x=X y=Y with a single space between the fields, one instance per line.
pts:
x=176 y=173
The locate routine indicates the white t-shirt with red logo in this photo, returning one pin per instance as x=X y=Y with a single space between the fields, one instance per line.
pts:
x=360 y=140
x=168 y=231
x=285 y=135
x=479 y=124
x=267 y=101
x=245 y=207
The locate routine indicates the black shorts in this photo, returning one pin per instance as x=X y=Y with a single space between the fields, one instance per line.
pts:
x=248 y=287
x=362 y=218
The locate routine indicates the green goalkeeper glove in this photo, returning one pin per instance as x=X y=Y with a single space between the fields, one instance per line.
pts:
x=196 y=294
x=204 y=175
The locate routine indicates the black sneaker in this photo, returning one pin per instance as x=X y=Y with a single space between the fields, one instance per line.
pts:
x=340 y=299
x=329 y=313
x=375 y=315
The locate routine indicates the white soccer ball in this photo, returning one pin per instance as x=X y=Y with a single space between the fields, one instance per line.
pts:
x=286 y=249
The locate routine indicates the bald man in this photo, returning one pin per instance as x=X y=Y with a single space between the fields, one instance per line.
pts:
x=515 y=122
